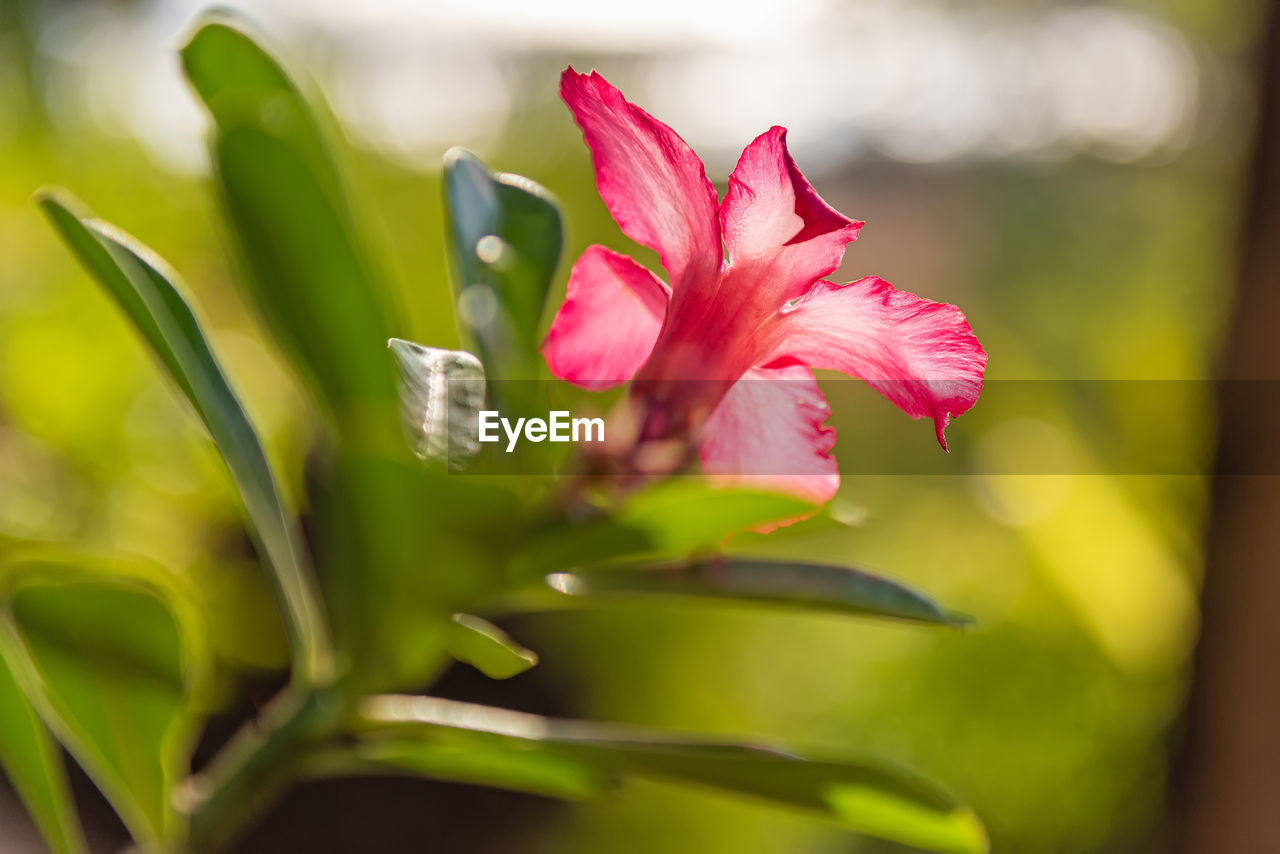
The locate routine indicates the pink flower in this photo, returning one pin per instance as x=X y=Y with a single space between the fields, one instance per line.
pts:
x=746 y=313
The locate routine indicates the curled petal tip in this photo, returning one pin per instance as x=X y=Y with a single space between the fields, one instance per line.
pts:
x=940 y=427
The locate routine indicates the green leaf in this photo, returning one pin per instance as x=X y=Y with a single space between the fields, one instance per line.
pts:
x=487 y=648
x=866 y=797
x=506 y=238
x=805 y=585
x=153 y=298
x=687 y=513
x=567 y=544
x=33 y=763
x=539 y=772
x=421 y=548
x=674 y=518
x=117 y=666
x=441 y=395
x=323 y=300
x=282 y=189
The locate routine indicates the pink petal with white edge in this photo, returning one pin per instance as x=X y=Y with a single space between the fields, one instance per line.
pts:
x=920 y=354
x=652 y=182
x=767 y=433
x=611 y=315
x=771 y=216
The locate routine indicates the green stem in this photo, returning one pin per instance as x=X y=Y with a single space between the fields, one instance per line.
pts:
x=253 y=770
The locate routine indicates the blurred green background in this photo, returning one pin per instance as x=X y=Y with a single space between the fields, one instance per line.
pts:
x=1069 y=174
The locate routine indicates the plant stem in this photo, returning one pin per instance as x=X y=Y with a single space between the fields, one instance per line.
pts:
x=257 y=765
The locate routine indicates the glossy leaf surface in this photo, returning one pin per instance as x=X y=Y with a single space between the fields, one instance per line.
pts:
x=804 y=585
x=116 y=663
x=866 y=797
x=310 y=274
x=33 y=764
x=154 y=299
x=487 y=648
x=441 y=395
x=506 y=235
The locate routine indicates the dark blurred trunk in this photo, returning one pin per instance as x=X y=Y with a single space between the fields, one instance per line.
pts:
x=1226 y=778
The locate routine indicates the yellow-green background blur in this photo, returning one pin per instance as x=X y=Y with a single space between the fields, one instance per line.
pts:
x=1080 y=246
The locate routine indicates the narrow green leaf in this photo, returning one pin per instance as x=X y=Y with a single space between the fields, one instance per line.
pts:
x=506 y=238
x=866 y=797
x=153 y=298
x=537 y=772
x=324 y=301
x=33 y=763
x=311 y=276
x=118 y=669
x=487 y=648
x=804 y=585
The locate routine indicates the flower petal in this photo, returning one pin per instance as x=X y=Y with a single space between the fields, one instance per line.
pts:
x=652 y=182
x=920 y=354
x=768 y=433
x=771 y=216
x=611 y=315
